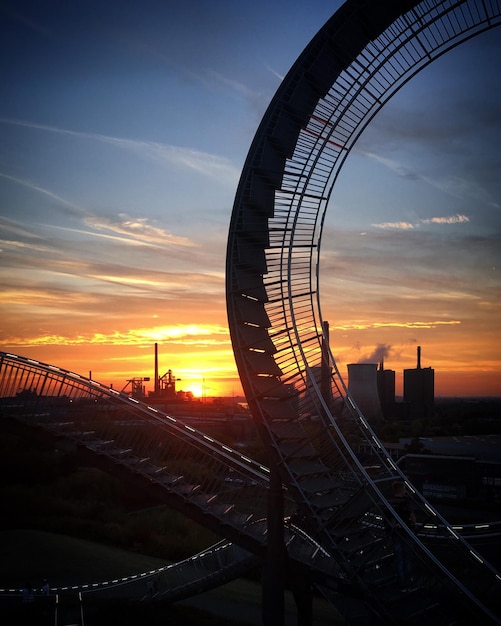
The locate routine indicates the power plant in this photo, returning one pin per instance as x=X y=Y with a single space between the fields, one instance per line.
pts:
x=165 y=386
x=419 y=390
x=164 y=389
x=371 y=386
x=386 y=390
x=362 y=386
x=373 y=391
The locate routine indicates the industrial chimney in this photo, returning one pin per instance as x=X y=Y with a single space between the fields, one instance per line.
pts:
x=419 y=390
x=157 y=381
x=325 y=375
x=362 y=386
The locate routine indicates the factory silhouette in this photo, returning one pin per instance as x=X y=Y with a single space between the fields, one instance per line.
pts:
x=372 y=387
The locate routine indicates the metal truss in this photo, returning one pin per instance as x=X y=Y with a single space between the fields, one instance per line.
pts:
x=336 y=509
x=203 y=478
x=361 y=57
x=189 y=471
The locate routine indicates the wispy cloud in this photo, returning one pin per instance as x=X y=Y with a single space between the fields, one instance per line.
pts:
x=256 y=99
x=414 y=324
x=135 y=230
x=394 y=225
x=399 y=169
x=21 y=231
x=46 y=192
x=138 y=228
x=235 y=85
x=459 y=187
x=451 y=219
x=274 y=72
x=181 y=334
x=209 y=165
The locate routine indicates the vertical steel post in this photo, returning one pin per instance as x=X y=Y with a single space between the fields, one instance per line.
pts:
x=273 y=584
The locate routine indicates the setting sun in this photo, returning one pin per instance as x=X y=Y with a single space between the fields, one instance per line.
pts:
x=195 y=388
x=114 y=225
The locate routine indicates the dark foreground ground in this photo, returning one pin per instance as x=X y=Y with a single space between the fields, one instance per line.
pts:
x=33 y=556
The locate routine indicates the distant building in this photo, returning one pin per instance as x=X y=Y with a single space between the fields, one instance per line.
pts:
x=419 y=390
x=363 y=388
x=386 y=390
x=456 y=468
x=316 y=379
x=319 y=378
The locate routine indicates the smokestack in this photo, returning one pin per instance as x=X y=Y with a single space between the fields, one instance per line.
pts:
x=362 y=385
x=325 y=335
x=419 y=357
x=156 y=369
x=325 y=375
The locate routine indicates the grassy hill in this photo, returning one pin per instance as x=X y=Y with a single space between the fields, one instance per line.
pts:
x=75 y=525
x=28 y=555
x=31 y=555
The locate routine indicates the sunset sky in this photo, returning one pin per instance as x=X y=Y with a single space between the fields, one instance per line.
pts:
x=124 y=127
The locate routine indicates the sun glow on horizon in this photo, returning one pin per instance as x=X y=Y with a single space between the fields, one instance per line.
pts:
x=195 y=388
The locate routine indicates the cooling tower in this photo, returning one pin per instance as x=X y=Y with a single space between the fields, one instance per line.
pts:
x=362 y=386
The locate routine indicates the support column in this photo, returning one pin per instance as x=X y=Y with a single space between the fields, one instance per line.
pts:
x=302 y=591
x=325 y=369
x=273 y=585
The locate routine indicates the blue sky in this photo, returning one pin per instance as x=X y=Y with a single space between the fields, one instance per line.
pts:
x=124 y=127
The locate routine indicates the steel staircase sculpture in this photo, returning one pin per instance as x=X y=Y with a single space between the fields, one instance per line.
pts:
x=188 y=470
x=218 y=487
x=361 y=57
x=336 y=509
